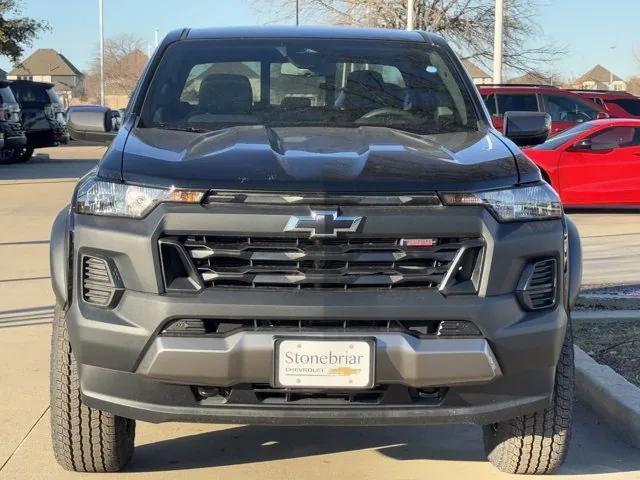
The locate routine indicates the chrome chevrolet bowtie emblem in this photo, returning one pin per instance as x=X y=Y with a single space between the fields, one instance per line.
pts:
x=323 y=224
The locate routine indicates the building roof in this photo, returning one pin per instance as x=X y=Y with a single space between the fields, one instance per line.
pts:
x=598 y=74
x=531 y=78
x=46 y=61
x=474 y=70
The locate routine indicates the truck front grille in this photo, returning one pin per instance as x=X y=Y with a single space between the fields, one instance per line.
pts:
x=304 y=263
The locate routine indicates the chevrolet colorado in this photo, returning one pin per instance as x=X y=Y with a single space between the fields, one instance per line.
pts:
x=312 y=226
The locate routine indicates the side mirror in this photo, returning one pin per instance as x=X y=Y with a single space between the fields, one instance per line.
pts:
x=587 y=145
x=527 y=128
x=582 y=145
x=93 y=123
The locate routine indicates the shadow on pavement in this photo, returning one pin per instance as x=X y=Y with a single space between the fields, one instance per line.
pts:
x=43 y=167
x=594 y=449
x=256 y=444
x=26 y=317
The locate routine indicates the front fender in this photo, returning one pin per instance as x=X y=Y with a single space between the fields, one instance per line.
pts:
x=59 y=255
x=574 y=261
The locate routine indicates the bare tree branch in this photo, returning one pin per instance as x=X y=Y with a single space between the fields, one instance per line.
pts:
x=124 y=62
x=467 y=25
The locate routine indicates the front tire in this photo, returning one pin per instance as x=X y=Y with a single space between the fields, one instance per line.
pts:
x=537 y=443
x=84 y=439
x=23 y=155
x=17 y=155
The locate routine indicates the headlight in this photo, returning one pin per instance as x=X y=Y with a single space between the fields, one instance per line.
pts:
x=531 y=202
x=97 y=197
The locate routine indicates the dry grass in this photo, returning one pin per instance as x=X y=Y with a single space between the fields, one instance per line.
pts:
x=616 y=344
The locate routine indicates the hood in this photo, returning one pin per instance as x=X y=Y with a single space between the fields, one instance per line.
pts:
x=318 y=159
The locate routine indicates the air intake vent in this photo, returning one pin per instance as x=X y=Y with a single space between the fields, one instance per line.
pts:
x=187 y=326
x=537 y=287
x=101 y=284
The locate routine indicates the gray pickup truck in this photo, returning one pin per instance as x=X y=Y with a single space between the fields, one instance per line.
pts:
x=312 y=226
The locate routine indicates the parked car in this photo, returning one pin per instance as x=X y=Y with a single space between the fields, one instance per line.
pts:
x=42 y=116
x=566 y=109
x=618 y=104
x=238 y=257
x=595 y=164
x=12 y=135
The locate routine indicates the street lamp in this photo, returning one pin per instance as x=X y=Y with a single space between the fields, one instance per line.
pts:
x=101 y=21
x=612 y=47
x=410 y=14
x=497 y=42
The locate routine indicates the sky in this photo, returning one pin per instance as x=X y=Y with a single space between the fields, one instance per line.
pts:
x=587 y=29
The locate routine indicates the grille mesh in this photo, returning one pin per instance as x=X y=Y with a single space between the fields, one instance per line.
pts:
x=224 y=327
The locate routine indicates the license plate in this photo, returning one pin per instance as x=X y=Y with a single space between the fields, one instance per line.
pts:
x=324 y=363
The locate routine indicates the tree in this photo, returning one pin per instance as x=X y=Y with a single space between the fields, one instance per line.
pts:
x=124 y=62
x=467 y=25
x=633 y=85
x=18 y=32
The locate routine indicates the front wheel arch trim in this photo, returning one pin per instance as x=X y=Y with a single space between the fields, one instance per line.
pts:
x=60 y=246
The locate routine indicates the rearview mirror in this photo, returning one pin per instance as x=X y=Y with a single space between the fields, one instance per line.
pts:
x=93 y=123
x=527 y=128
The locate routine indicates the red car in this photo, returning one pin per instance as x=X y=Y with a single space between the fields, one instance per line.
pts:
x=594 y=164
x=566 y=109
x=618 y=104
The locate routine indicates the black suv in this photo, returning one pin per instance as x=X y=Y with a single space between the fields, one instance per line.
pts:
x=42 y=116
x=12 y=136
x=312 y=226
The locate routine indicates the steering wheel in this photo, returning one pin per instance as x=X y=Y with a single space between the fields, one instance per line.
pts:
x=386 y=111
x=582 y=117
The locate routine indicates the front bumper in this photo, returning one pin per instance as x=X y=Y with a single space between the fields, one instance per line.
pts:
x=246 y=357
x=14 y=141
x=128 y=368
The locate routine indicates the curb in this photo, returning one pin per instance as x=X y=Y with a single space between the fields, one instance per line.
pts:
x=608 y=301
x=592 y=316
x=610 y=395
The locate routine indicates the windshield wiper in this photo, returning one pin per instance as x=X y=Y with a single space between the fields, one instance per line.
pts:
x=179 y=128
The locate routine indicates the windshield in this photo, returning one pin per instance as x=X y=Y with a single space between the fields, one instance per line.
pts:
x=564 y=137
x=630 y=105
x=6 y=95
x=214 y=84
x=27 y=93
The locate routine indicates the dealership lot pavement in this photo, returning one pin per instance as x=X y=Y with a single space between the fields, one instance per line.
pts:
x=31 y=194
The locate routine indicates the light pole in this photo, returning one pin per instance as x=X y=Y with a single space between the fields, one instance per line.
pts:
x=612 y=48
x=297 y=12
x=497 y=42
x=156 y=36
x=101 y=20
x=410 y=14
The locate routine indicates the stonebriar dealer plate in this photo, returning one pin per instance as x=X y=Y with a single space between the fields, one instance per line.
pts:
x=324 y=363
